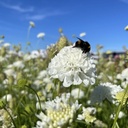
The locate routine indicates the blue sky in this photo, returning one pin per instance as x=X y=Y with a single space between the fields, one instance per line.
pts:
x=102 y=20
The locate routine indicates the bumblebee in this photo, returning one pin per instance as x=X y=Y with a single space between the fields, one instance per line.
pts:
x=83 y=45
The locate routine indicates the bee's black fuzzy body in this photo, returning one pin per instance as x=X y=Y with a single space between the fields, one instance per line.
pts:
x=83 y=45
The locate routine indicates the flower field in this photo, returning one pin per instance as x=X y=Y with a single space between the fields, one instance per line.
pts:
x=62 y=87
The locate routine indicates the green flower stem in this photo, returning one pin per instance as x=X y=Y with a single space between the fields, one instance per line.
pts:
x=10 y=117
x=119 y=108
x=78 y=94
x=36 y=95
x=117 y=125
x=70 y=89
x=81 y=121
x=58 y=88
x=28 y=33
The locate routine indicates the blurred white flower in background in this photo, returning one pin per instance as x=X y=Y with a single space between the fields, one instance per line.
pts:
x=126 y=28
x=123 y=76
x=41 y=35
x=59 y=113
x=7 y=97
x=18 y=64
x=9 y=72
x=42 y=74
x=105 y=91
x=73 y=67
x=77 y=93
x=38 y=53
x=82 y=34
x=6 y=45
x=120 y=116
x=32 y=24
x=2 y=59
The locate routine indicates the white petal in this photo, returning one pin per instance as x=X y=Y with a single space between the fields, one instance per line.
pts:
x=77 y=80
x=92 y=80
x=67 y=81
x=86 y=82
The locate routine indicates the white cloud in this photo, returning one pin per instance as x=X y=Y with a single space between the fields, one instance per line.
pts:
x=30 y=12
x=35 y=17
x=17 y=7
x=42 y=16
x=125 y=1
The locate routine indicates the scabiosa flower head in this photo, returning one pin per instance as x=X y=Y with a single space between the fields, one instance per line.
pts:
x=32 y=24
x=105 y=91
x=126 y=28
x=73 y=67
x=41 y=35
x=59 y=113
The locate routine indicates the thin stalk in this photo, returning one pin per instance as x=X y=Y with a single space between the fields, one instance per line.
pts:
x=78 y=94
x=58 y=88
x=70 y=93
x=10 y=117
x=36 y=95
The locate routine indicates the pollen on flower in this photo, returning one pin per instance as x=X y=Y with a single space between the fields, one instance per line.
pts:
x=59 y=112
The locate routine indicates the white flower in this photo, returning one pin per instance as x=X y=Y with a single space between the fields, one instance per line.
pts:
x=77 y=93
x=7 y=97
x=42 y=74
x=105 y=91
x=73 y=67
x=27 y=57
x=42 y=53
x=37 y=82
x=124 y=74
x=123 y=77
x=32 y=24
x=87 y=115
x=45 y=121
x=35 y=54
x=41 y=35
x=126 y=28
x=121 y=115
x=6 y=45
x=59 y=113
x=2 y=59
x=82 y=34
x=5 y=81
x=9 y=72
x=18 y=64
